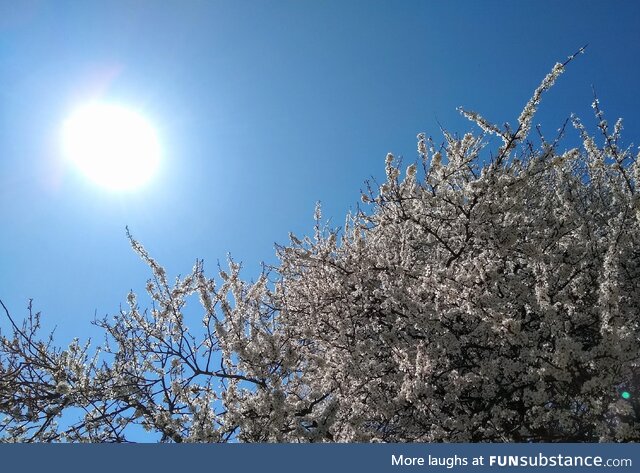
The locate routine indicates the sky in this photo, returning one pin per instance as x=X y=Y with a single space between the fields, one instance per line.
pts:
x=261 y=108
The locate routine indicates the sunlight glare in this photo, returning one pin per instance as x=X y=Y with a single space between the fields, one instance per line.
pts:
x=112 y=145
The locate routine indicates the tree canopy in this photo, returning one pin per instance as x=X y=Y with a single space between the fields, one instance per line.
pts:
x=489 y=291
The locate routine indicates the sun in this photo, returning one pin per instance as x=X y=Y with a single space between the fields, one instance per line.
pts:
x=112 y=145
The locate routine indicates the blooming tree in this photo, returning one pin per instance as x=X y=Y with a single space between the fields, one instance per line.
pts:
x=475 y=297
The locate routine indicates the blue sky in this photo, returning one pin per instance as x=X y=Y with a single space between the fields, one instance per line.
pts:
x=262 y=109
